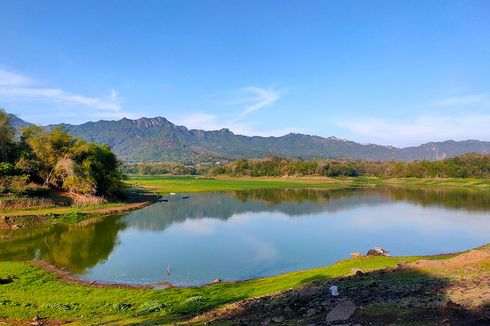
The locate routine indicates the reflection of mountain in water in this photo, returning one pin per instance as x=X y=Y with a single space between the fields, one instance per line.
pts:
x=291 y=202
x=296 y=202
x=82 y=246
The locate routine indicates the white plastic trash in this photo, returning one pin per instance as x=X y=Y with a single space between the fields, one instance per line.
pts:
x=334 y=291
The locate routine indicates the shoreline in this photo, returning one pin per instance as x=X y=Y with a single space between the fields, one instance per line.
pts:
x=380 y=288
x=68 y=277
x=10 y=221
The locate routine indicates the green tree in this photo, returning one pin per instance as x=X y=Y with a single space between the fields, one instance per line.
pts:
x=7 y=134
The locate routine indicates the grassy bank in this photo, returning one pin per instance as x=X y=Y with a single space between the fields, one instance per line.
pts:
x=35 y=292
x=163 y=184
x=25 y=211
x=185 y=184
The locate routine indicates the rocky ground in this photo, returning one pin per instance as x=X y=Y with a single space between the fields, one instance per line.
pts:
x=438 y=292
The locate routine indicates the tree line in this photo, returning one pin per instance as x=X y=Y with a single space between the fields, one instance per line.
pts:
x=56 y=160
x=464 y=166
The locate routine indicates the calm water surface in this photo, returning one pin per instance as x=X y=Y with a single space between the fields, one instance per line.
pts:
x=246 y=234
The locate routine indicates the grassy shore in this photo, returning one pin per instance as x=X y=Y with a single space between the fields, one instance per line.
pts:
x=34 y=292
x=163 y=184
x=60 y=209
x=185 y=184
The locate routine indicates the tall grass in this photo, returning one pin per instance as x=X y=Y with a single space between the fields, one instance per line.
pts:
x=7 y=203
x=82 y=201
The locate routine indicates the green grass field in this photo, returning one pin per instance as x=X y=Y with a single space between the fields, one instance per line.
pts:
x=35 y=292
x=184 y=184
x=167 y=184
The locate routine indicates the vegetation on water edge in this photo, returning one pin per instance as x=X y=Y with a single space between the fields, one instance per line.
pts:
x=57 y=160
x=28 y=291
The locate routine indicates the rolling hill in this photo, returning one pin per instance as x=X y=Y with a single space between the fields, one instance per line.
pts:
x=157 y=139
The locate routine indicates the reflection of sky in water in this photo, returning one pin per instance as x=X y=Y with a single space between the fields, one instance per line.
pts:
x=253 y=239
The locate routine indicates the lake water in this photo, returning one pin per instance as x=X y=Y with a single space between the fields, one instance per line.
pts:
x=246 y=234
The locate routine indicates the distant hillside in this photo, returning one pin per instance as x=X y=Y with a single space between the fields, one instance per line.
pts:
x=157 y=139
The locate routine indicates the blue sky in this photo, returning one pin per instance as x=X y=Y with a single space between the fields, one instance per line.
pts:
x=388 y=72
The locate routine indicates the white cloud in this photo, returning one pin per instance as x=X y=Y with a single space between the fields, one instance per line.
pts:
x=258 y=98
x=421 y=130
x=207 y=121
x=15 y=88
x=249 y=99
x=110 y=103
x=8 y=78
x=460 y=100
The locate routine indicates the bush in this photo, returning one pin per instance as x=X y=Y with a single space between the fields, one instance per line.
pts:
x=7 y=169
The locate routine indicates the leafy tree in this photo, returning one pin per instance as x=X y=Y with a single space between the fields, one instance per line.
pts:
x=7 y=134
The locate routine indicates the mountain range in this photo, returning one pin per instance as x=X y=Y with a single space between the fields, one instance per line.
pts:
x=157 y=139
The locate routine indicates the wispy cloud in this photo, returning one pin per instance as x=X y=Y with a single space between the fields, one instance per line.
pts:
x=258 y=98
x=250 y=99
x=207 y=121
x=8 y=78
x=247 y=100
x=16 y=87
x=110 y=103
x=420 y=130
x=460 y=100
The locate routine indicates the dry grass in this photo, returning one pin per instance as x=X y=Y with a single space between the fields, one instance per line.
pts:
x=83 y=201
x=8 y=203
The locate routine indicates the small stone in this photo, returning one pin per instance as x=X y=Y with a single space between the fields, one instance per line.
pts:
x=306 y=293
x=355 y=254
x=310 y=313
x=266 y=322
x=288 y=309
x=278 y=319
x=357 y=271
x=216 y=281
x=333 y=291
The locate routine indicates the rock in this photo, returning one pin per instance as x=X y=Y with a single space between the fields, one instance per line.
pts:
x=342 y=311
x=278 y=319
x=388 y=270
x=306 y=293
x=357 y=271
x=288 y=309
x=402 y=265
x=310 y=313
x=355 y=254
x=216 y=281
x=266 y=322
x=376 y=251
x=333 y=291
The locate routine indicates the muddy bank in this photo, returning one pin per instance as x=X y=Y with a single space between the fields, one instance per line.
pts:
x=66 y=276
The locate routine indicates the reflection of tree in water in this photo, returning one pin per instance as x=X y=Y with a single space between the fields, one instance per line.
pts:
x=82 y=246
x=76 y=247
x=223 y=205
x=474 y=200
x=295 y=202
x=277 y=196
